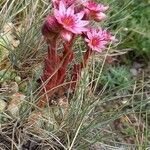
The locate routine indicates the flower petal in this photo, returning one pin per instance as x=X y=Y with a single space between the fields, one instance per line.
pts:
x=80 y=15
x=82 y=23
x=70 y=10
x=70 y=20
x=62 y=8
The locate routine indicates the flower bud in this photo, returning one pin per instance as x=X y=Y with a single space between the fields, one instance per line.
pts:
x=99 y=16
x=50 y=28
x=94 y=10
x=66 y=35
x=108 y=37
x=103 y=8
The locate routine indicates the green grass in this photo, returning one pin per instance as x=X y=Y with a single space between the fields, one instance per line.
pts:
x=132 y=19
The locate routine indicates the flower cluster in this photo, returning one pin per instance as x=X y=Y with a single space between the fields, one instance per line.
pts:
x=72 y=17
x=69 y=19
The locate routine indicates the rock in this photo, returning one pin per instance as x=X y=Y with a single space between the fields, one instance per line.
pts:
x=137 y=65
x=9 y=89
x=134 y=71
x=125 y=101
x=3 y=105
x=17 y=79
x=15 y=104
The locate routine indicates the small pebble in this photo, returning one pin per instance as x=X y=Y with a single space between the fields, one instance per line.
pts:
x=134 y=72
x=3 y=105
x=17 y=79
x=15 y=104
x=137 y=65
x=124 y=101
x=126 y=29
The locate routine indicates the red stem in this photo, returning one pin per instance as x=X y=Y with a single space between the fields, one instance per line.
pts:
x=67 y=57
x=78 y=67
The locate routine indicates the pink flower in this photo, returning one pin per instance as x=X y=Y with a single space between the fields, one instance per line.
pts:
x=95 y=10
x=97 y=39
x=70 y=20
x=93 y=6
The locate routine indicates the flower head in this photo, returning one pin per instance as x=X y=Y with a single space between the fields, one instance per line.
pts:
x=93 y=6
x=70 y=20
x=95 y=11
x=97 y=39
